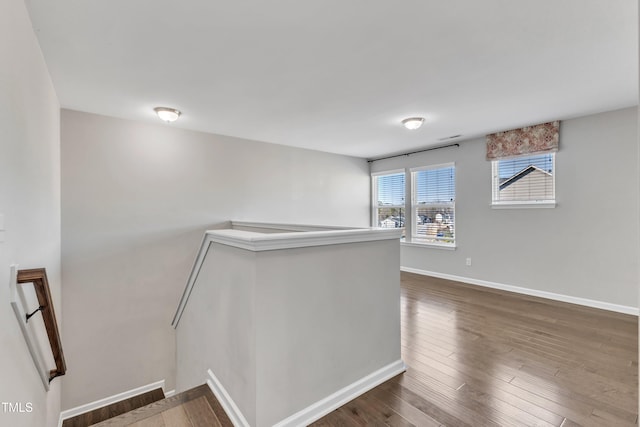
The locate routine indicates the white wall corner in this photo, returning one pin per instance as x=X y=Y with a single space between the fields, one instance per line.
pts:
x=225 y=400
x=531 y=292
x=316 y=410
x=88 y=407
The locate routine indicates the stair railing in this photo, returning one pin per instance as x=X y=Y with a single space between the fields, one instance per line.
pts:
x=38 y=277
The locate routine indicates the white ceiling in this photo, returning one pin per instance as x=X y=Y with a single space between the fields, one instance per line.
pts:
x=339 y=75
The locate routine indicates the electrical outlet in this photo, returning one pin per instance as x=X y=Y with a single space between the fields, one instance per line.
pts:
x=468 y=262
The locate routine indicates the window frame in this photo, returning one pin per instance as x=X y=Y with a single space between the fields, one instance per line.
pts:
x=374 y=196
x=418 y=240
x=517 y=204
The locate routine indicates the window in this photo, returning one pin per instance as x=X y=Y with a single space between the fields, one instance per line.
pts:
x=524 y=180
x=433 y=204
x=389 y=200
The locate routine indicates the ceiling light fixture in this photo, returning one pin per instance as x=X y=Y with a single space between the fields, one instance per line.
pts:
x=413 y=123
x=167 y=114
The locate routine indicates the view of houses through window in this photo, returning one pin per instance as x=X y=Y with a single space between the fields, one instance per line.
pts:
x=432 y=203
x=389 y=194
x=524 y=179
x=521 y=180
x=434 y=195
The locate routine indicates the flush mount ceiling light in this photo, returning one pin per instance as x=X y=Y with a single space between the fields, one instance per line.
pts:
x=413 y=123
x=167 y=114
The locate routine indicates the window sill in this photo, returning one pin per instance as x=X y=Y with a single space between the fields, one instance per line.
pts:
x=419 y=244
x=524 y=205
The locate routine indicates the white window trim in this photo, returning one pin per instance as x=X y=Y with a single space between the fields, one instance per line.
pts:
x=521 y=204
x=389 y=172
x=524 y=205
x=413 y=239
x=374 y=193
x=438 y=166
x=417 y=243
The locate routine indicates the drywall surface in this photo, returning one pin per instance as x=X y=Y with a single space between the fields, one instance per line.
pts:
x=136 y=199
x=29 y=207
x=217 y=331
x=586 y=247
x=329 y=316
x=284 y=329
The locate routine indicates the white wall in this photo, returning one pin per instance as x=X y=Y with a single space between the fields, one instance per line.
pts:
x=30 y=203
x=136 y=199
x=283 y=329
x=329 y=317
x=586 y=247
x=215 y=333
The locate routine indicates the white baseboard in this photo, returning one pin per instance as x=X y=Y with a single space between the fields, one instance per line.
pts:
x=322 y=407
x=227 y=403
x=317 y=410
x=170 y=393
x=88 y=407
x=531 y=292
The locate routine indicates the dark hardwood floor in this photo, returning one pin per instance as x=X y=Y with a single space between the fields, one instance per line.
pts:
x=476 y=357
x=480 y=357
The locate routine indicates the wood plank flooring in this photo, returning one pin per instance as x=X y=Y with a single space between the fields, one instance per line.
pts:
x=481 y=357
x=115 y=409
x=475 y=357
x=197 y=407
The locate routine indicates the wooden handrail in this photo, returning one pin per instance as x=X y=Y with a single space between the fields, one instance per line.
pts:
x=38 y=276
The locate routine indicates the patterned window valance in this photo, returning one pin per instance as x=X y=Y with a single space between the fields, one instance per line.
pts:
x=536 y=139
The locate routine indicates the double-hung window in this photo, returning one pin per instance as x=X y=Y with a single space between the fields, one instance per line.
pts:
x=433 y=204
x=389 y=199
x=524 y=180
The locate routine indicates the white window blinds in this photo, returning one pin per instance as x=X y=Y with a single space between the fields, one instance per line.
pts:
x=435 y=186
x=524 y=179
x=389 y=196
x=434 y=195
x=391 y=189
